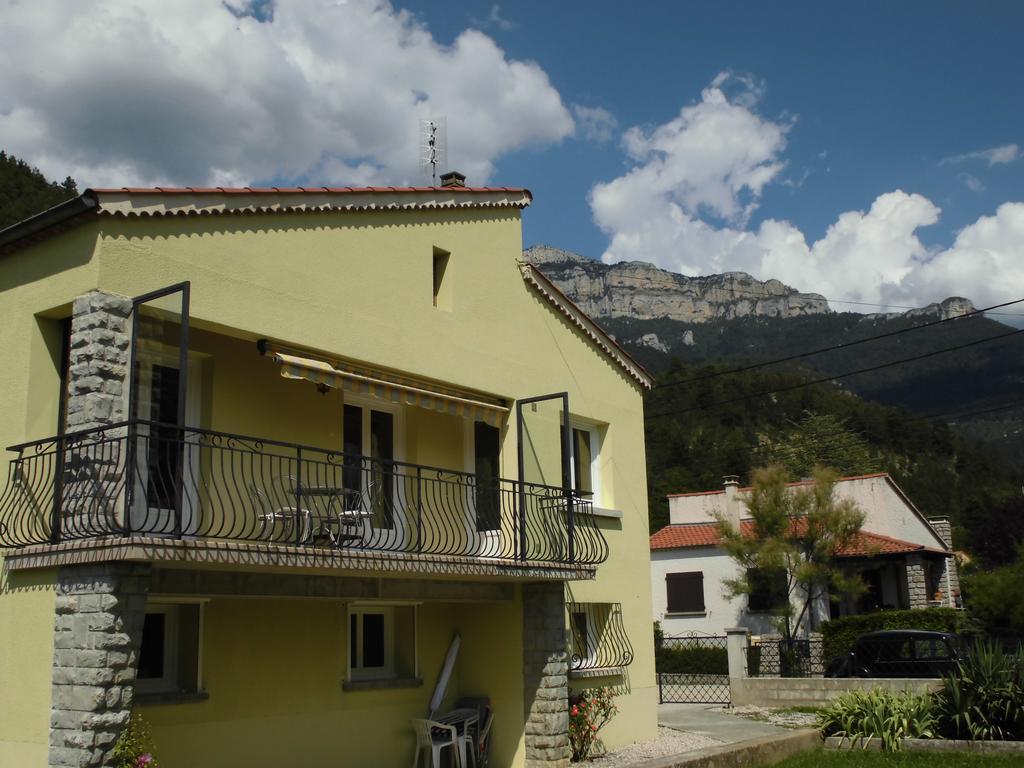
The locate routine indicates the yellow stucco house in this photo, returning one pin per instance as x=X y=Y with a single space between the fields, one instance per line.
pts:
x=273 y=450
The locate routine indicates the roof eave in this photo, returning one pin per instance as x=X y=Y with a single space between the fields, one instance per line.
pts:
x=62 y=213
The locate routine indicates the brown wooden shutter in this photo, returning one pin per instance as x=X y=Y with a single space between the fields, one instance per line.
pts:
x=685 y=592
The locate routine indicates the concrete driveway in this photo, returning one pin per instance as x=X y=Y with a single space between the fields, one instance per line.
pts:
x=715 y=722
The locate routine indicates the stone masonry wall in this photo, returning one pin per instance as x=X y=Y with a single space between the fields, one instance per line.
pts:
x=917 y=587
x=545 y=681
x=98 y=373
x=97 y=396
x=951 y=577
x=97 y=633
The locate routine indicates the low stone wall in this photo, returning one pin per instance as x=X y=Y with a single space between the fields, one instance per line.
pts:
x=778 y=692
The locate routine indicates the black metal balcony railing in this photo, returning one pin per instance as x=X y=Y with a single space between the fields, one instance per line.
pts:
x=141 y=478
x=599 y=639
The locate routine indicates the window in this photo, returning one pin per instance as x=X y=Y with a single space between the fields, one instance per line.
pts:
x=599 y=640
x=169 y=657
x=769 y=589
x=585 y=447
x=583 y=637
x=684 y=592
x=381 y=642
x=371 y=437
x=442 y=286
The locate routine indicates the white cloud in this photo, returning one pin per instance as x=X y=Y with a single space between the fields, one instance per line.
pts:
x=972 y=182
x=495 y=19
x=1007 y=153
x=120 y=92
x=715 y=159
x=595 y=124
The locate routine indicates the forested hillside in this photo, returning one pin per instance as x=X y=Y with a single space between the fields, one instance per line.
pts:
x=24 y=191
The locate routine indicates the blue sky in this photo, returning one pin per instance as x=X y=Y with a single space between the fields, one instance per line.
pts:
x=886 y=89
x=867 y=151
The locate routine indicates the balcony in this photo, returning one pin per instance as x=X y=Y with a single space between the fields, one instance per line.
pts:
x=140 y=490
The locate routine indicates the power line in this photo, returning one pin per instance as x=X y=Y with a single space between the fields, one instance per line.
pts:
x=837 y=376
x=968 y=414
x=904 y=306
x=843 y=345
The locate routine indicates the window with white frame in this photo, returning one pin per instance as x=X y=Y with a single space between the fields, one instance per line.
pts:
x=381 y=642
x=170 y=655
x=585 y=461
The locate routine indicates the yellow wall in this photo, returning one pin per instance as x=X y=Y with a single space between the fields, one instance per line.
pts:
x=26 y=664
x=357 y=285
x=274 y=671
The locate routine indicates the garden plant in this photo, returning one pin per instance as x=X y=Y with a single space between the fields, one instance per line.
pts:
x=134 y=748
x=589 y=712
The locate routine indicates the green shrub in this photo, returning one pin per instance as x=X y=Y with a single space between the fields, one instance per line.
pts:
x=134 y=748
x=838 y=634
x=880 y=715
x=995 y=597
x=984 y=697
x=692 y=659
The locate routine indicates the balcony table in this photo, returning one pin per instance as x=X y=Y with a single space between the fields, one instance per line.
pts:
x=330 y=521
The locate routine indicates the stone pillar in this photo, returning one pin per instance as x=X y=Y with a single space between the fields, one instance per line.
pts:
x=917 y=586
x=545 y=681
x=93 y=465
x=99 y=358
x=97 y=633
x=951 y=577
x=736 y=647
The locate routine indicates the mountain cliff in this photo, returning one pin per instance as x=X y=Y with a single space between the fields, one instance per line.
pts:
x=642 y=291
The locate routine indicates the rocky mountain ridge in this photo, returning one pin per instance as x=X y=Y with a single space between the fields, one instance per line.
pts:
x=642 y=291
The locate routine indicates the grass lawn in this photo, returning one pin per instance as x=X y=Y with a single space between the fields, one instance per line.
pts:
x=820 y=758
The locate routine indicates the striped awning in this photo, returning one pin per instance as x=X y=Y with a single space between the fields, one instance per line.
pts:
x=392 y=389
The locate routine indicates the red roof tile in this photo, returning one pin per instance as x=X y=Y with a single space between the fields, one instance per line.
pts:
x=706 y=535
x=299 y=190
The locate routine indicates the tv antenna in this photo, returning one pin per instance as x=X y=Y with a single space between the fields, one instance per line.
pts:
x=433 y=147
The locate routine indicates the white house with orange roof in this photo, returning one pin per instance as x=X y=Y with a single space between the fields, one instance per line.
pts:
x=905 y=560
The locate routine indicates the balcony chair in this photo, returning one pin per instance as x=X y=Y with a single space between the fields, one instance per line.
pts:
x=435 y=736
x=277 y=522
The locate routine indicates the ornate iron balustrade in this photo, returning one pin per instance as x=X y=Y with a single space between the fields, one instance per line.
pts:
x=141 y=478
x=599 y=639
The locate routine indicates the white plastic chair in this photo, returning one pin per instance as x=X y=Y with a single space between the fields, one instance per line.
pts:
x=428 y=737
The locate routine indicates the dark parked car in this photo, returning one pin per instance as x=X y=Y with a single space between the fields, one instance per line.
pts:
x=899 y=653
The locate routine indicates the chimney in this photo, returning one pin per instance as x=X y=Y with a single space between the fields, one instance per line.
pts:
x=944 y=529
x=732 y=500
x=453 y=179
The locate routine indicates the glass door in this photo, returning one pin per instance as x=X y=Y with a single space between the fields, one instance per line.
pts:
x=370 y=441
x=164 y=468
x=486 y=506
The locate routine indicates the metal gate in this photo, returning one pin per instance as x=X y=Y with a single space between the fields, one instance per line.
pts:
x=693 y=669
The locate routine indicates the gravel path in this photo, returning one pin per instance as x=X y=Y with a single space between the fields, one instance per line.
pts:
x=669 y=742
x=785 y=718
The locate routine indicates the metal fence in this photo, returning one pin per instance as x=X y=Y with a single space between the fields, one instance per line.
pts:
x=799 y=657
x=693 y=669
x=140 y=478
